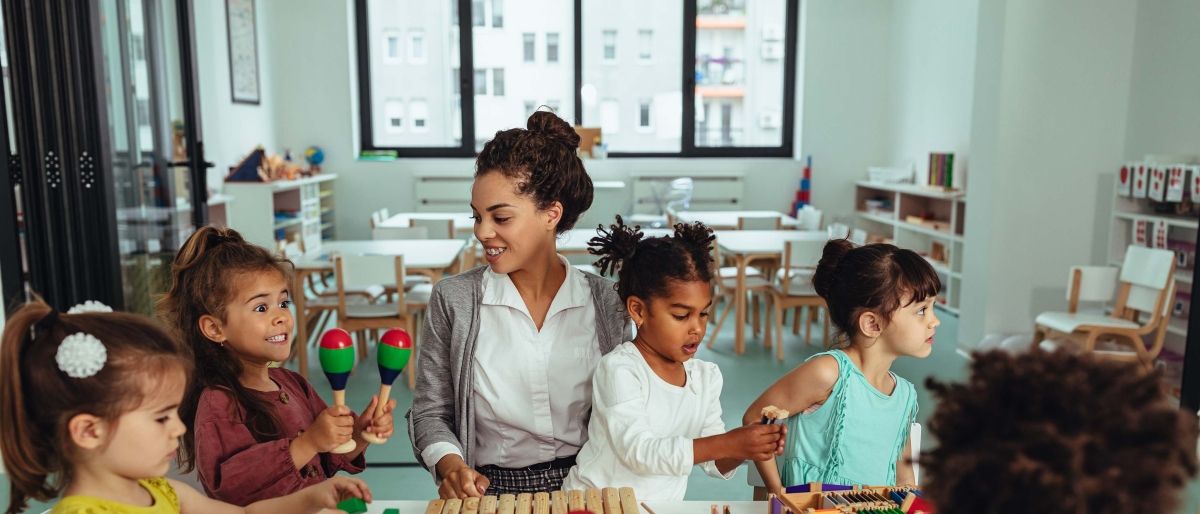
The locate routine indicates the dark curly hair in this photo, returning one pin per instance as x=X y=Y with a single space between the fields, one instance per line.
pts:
x=870 y=278
x=1057 y=432
x=644 y=265
x=541 y=159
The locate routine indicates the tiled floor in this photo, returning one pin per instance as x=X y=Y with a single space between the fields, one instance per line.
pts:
x=393 y=473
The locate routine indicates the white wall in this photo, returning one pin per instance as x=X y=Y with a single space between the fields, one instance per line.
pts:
x=232 y=130
x=1053 y=82
x=1164 y=106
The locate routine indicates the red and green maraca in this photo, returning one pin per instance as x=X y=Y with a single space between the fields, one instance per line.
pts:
x=395 y=348
x=337 y=359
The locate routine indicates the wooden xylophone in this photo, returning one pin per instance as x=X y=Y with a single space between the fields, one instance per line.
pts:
x=609 y=500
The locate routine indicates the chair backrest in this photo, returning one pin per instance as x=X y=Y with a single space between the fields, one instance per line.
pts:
x=292 y=249
x=838 y=230
x=800 y=254
x=400 y=233
x=858 y=236
x=383 y=214
x=377 y=218
x=1095 y=283
x=1147 y=272
x=760 y=222
x=436 y=229
x=679 y=195
x=354 y=271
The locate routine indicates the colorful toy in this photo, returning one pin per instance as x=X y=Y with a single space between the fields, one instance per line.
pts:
x=337 y=359
x=395 y=348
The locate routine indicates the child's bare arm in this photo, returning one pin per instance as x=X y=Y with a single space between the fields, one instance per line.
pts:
x=312 y=499
x=807 y=385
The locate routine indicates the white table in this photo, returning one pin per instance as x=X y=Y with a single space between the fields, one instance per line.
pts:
x=575 y=241
x=728 y=220
x=746 y=246
x=463 y=222
x=659 y=507
x=427 y=256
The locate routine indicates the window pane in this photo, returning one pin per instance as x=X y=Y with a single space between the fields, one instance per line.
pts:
x=481 y=85
x=645 y=44
x=529 y=40
x=739 y=72
x=498 y=13
x=607 y=91
x=530 y=107
x=477 y=14
x=552 y=47
x=429 y=73
x=416 y=46
x=610 y=45
x=509 y=48
x=498 y=82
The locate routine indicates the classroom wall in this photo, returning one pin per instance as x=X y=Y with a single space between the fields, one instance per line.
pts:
x=232 y=130
x=1164 y=108
x=1052 y=90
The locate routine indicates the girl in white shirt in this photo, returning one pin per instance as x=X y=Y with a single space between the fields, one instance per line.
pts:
x=656 y=411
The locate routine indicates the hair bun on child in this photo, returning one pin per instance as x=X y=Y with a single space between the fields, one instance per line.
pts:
x=549 y=125
x=615 y=245
x=823 y=278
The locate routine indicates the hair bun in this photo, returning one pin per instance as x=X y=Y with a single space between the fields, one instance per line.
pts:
x=823 y=278
x=549 y=125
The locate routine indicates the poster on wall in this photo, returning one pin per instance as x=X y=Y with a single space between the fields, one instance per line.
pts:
x=1139 y=181
x=1176 y=181
x=1125 y=179
x=243 y=51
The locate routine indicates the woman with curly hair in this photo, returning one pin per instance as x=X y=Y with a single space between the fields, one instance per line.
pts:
x=504 y=375
x=1057 y=432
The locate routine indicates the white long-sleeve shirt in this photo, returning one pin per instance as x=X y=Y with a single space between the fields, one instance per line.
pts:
x=533 y=388
x=642 y=428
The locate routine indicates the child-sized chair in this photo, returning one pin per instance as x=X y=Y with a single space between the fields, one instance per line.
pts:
x=1147 y=284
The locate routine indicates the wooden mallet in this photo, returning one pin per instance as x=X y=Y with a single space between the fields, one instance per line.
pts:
x=395 y=348
x=337 y=359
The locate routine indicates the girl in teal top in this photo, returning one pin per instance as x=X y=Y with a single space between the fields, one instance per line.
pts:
x=851 y=414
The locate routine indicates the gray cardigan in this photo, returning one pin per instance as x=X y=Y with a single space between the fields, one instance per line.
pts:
x=442 y=408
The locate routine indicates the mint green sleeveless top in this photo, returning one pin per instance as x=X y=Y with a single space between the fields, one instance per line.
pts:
x=855 y=437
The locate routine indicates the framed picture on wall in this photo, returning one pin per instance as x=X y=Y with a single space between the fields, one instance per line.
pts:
x=243 y=51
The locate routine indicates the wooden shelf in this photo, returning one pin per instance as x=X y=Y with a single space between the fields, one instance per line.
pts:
x=288 y=223
x=941 y=234
x=915 y=190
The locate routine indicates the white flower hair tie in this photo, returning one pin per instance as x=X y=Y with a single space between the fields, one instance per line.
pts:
x=81 y=355
x=89 y=306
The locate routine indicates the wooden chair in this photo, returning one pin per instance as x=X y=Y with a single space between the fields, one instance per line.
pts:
x=760 y=223
x=394 y=233
x=313 y=305
x=1146 y=286
x=356 y=270
x=726 y=288
x=795 y=289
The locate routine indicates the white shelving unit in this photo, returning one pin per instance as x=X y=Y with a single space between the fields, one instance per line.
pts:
x=308 y=200
x=947 y=207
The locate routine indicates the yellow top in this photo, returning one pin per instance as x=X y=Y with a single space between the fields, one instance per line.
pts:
x=165 y=502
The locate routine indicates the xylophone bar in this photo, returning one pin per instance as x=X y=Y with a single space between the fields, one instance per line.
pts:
x=609 y=500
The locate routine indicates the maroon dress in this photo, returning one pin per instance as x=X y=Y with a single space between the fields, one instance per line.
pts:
x=237 y=469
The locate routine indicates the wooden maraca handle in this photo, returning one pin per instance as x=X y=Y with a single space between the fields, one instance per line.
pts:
x=339 y=399
x=385 y=390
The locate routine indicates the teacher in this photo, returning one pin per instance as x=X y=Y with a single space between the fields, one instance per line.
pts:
x=504 y=375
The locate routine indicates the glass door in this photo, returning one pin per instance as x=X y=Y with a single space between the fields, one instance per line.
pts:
x=154 y=141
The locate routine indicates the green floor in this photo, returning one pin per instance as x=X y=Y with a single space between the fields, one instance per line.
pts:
x=394 y=474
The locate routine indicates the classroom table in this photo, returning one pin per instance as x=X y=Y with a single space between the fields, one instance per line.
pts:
x=430 y=257
x=728 y=220
x=657 y=507
x=464 y=223
x=746 y=246
x=575 y=241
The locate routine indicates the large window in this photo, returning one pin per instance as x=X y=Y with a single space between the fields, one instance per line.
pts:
x=681 y=78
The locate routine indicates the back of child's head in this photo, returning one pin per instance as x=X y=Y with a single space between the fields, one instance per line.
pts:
x=205 y=276
x=1057 y=432
x=645 y=266
x=878 y=278
x=38 y=397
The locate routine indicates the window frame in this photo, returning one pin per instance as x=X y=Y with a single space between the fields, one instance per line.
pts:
x=466 y=105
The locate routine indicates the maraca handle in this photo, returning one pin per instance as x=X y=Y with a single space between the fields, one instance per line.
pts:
x=345 y=447
x=385 y=391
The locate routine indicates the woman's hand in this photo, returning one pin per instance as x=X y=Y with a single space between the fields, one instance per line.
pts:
x=460 y=480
